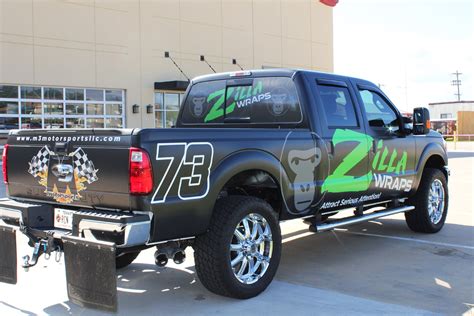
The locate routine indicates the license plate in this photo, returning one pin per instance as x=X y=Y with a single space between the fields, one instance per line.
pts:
x=63 y=218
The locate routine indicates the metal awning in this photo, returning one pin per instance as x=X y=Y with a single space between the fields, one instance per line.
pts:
x=175 y=85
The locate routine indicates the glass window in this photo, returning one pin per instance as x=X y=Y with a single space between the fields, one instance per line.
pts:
x=95 y=123
x=338 y=107
x=379 y=113
x=75 y=94
x=31 y=122
x=10 y=92
x=95 y=109
x=260 y=100
x=8 y=107
x=171 y=101
x=74 y=122
x=446 y=115
x=8 y=123
x=35 y=107
x=53 y=108
x=113 y=109
x=94 y=95
x=158 y=101
x=113 y=123
x=31 y=108
x=74 y=108
x=171 y=117
x=53 y=93
x=159 y=118
x=113 y=95
x=31 y=92
x=53 y=122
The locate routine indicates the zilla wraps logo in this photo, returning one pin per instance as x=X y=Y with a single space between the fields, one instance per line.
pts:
x=72 y=171
x=392 y=168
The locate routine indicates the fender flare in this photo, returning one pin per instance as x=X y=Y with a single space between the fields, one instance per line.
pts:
x=245 y=160
x=431 y=150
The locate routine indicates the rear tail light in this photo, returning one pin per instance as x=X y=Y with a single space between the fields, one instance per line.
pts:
x=140 y=172
x=4 y=163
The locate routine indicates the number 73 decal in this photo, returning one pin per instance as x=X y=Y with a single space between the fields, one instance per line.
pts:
x=182 y=170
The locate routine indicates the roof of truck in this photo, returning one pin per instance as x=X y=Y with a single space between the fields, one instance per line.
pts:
x=284 y=72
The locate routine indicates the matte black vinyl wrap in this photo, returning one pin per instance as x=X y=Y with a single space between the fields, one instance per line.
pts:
x=8 y=263
x=315 y=167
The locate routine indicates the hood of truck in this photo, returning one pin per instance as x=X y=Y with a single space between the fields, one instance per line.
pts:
x=83 y=167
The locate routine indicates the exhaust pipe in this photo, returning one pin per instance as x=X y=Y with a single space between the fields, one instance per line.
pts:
x=179 y=257
x=161 y=259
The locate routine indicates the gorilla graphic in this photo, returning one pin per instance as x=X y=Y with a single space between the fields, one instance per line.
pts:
x=198 y=108
x=303 y=163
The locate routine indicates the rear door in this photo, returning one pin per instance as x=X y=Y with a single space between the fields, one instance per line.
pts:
x=346 y=144
x=86 y=168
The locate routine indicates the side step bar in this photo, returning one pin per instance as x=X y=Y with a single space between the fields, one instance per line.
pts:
x=321 y=227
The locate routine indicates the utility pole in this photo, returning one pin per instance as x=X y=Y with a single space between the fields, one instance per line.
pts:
x=457 y=83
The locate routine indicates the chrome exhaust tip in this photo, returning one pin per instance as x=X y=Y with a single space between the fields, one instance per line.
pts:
x=161 y=259
x=179 y=257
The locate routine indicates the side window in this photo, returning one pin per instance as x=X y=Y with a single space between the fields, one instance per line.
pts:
x=379 y=113
x=338 y=106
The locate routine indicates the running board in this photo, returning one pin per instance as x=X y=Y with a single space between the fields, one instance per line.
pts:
x=321 y=227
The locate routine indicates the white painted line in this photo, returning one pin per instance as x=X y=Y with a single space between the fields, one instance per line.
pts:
x=408 y=239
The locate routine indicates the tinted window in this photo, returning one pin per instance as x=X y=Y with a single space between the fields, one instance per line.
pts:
x=338 y=106
x=379 y=113
x=260 y=100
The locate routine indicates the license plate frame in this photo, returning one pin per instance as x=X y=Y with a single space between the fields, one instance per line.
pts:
x=63 y=218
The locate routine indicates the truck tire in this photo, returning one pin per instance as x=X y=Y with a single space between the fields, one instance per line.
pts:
x=431 y=203
x=239 y=254
x=125 y=259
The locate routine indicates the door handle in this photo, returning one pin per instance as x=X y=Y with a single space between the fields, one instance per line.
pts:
x=330 y=147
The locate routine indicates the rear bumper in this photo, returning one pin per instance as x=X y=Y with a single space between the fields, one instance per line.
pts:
x=124 y=229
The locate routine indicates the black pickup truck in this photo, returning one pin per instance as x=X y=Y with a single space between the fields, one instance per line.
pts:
x=249 y=149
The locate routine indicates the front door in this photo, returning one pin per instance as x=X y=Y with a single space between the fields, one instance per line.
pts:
x=392 y=154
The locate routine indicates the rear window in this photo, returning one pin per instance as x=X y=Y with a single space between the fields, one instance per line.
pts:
x=254 y=100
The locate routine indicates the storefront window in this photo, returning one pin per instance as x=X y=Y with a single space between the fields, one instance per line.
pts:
x=167 y=108
x=28 y=107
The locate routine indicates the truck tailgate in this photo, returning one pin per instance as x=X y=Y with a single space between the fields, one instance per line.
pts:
x=84 y=167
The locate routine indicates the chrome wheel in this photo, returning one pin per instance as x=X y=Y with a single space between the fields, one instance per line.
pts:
x=251 y=248
x=436 y=201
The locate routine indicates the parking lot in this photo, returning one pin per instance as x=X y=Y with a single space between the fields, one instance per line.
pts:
x=378 y=267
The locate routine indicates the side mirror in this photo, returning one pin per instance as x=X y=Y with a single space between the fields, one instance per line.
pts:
x=421 y=121
x=407 y=125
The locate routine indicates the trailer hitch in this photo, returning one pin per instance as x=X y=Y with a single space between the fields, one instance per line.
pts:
x=42 y=246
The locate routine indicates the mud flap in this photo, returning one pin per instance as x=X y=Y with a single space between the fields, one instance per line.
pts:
x=90 y=273
x=8 y=268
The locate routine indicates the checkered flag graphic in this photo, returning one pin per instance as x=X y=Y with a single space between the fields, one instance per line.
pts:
x=83 y=166
x=39 y=162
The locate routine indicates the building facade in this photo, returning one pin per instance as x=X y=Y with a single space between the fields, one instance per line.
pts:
x=101 y=63
x=449 y=110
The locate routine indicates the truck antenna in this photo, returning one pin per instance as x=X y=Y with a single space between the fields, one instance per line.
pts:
x=167 y=55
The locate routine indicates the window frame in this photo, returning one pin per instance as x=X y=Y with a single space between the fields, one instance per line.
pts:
x=64 y=116
x=163 y=110
x=337 y=84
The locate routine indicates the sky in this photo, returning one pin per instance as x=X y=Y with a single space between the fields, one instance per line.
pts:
x=411 y=48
